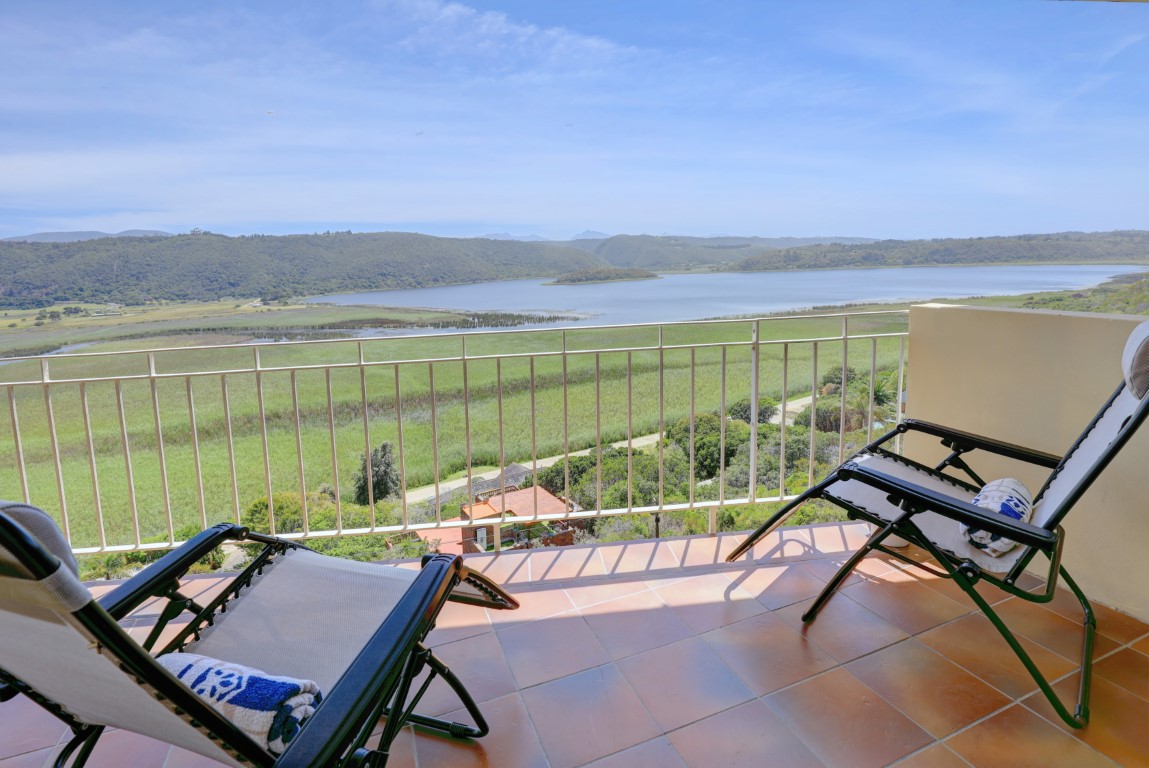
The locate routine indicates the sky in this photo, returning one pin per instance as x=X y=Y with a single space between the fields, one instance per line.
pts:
x=874 y=118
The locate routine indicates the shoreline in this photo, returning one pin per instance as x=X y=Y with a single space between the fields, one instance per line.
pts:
x=330 y=321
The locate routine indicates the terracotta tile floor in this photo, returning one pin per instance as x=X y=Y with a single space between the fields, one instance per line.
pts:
x=659 y=654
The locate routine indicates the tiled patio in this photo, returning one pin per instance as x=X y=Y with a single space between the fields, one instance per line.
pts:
x=661 y=655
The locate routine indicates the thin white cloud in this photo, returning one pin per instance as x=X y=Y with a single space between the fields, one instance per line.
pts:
x=445 y=28
x=1121 y=46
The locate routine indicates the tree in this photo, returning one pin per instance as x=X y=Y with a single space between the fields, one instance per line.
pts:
x=384 y=475
x=834 y=376
x=740 y=410
x=828 y=417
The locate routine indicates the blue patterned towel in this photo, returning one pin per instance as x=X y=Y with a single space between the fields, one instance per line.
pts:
x=1007 y=497
x=268 y=708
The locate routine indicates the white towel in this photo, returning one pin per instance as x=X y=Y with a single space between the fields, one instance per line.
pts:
x=1007 y=497
x=268 y=708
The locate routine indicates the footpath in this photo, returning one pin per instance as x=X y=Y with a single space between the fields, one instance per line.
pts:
x=422 y=493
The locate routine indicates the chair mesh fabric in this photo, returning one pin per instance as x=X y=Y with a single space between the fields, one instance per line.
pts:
x=308 y=616
x=1135 y=360
x=1079 y=463
x=941 y=530
x=43 y=528
x=46 y=647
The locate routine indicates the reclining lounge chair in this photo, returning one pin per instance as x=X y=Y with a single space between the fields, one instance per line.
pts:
x=925 y=505
x=356 y=629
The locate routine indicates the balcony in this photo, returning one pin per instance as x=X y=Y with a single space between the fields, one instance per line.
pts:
x=658 y=652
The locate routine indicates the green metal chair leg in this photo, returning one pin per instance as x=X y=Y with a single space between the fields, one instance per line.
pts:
x=846 y=569
x=1080 y=716
x=778 y=518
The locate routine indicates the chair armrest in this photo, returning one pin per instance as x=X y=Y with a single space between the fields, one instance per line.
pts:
x=967 y=441
x=914 y=498
x=171 y=567
x=372 y=677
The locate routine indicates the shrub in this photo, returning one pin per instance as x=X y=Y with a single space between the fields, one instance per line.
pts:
x=119 y=565
x=384 y=476
x=767 y=410
x=834 y=376
x=323 y=516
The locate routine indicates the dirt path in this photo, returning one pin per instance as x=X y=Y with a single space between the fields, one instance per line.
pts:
x=793 y=408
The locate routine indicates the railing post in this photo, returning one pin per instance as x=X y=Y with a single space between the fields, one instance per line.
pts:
x=752 y=492
x=842 y=388
x=164 y=487
x=368 y=462
x=712 y=525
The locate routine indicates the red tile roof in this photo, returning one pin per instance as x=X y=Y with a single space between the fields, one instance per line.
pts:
x=517 y=503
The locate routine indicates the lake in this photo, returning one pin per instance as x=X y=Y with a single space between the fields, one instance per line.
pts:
x=698 y=296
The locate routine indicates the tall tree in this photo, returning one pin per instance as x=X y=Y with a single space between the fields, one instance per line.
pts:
x=384 y=476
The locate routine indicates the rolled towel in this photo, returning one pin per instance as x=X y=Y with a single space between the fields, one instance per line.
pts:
x=268 y=708
x=1007 y=497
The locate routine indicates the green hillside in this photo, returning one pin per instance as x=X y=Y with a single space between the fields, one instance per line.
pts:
x=1070 y=247
x=1126 y=295
x=675 y=252
x=205 y=266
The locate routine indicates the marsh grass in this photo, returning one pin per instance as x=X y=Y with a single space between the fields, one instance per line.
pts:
x=153 y=429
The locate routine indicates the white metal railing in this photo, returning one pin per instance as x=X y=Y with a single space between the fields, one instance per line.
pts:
x=127 y=449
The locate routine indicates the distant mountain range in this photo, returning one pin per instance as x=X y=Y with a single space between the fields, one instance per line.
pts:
x=508 y=236
x=586 y=234
x=137 y=267
x=71 y=237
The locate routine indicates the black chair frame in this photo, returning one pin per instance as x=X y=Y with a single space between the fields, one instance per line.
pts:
x=912 y=499
x=378 y=684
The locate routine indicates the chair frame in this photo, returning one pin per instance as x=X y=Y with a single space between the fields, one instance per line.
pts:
x=377 y=684
x=914 y=499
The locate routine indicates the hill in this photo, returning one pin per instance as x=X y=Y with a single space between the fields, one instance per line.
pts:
x=667 y=252
x=1067 y=247
x=71 y=237
x=205 y=266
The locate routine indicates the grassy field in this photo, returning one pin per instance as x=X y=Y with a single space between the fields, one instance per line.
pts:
x=193 y=417
x=28 y=332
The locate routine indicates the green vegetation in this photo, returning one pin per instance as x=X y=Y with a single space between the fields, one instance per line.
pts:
x=324 y=515
x=1065 y=247
x=783 y=467
x=384 y=474
x=195 y=419
x=1128 y=294
x=740 y=410
x=604 y=275
x=205 y=266
x=671 y=252
x=176 y=324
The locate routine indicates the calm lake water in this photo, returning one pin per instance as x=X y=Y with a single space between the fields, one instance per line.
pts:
x=694 y=297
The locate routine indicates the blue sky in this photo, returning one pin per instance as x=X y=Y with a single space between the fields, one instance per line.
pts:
x=882 y=118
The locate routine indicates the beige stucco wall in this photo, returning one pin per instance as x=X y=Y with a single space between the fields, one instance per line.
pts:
x=1036 y=378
